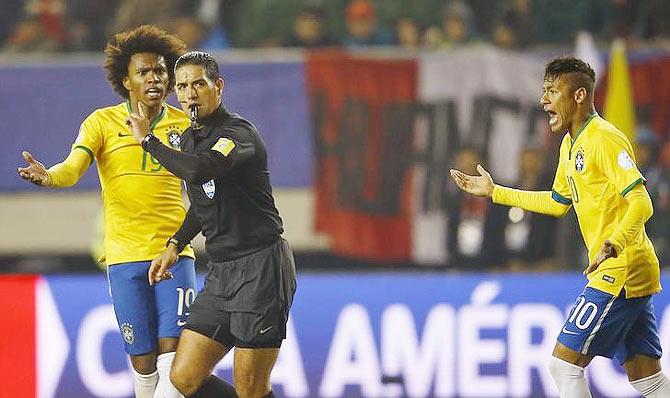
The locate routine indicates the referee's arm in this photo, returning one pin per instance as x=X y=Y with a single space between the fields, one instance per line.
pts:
x=187 y=231
x=196 y=168
x=192 y=168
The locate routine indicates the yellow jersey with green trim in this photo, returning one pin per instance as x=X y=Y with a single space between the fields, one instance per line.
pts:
x=142 y=201
x=595 y=171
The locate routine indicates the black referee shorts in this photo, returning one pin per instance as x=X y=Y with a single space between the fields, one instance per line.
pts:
x=245 y=302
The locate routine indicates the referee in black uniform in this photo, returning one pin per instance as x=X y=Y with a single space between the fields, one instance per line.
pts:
x=251 y=280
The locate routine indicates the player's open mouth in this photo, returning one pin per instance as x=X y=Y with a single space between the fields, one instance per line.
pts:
x=154 y=93
x=553 y=117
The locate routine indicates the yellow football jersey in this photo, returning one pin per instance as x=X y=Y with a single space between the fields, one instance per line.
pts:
x=142 y=201
x=595 y=172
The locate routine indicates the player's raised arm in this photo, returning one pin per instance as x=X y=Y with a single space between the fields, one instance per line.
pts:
x=543 y=202
x=61 y=175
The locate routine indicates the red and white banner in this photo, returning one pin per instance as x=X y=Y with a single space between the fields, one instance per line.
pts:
x=388 y=130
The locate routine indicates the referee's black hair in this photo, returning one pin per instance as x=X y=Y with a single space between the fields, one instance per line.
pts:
x=203 y=59
x=581 y=73
x=144 y=39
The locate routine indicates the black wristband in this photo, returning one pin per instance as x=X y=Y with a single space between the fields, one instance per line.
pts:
x=178 y=244
x=149 y=137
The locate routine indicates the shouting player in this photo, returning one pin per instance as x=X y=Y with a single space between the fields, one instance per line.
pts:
x=614 y=315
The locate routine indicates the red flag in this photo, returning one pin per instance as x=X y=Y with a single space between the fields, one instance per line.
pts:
x=360 y=108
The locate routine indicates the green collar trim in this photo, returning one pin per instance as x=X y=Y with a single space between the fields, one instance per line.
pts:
x=586 y=123
x=158 y=118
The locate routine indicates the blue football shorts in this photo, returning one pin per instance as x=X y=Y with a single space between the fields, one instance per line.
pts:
x=613 y=327
x=146 y=313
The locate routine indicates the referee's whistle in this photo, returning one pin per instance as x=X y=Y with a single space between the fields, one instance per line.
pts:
x=194 y=118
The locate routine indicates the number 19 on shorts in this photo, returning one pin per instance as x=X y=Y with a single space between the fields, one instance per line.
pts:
x=186 y=298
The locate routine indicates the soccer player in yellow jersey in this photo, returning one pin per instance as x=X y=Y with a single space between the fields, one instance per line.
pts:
x=142 y=201
x=597 y=175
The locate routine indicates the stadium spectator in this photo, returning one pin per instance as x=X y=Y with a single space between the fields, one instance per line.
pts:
x=654 y=163
x=458 y=27
x=309 y=29
x=558 y=21
x=465 y=217
x=133 y=13
x=30 y=35
x=515 y=28
x=458 y=24
x=197 y=35
x=86 y=23
x=658 y=16
x=362 y=27
x=407 y=33
x=11 y=12
x=536 y=248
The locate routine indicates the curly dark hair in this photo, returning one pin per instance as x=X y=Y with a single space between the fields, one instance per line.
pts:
x=581 y=74
x=144 y=39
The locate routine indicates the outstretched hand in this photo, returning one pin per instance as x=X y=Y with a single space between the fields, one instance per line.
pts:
x=139 y=123
x=158 y=271
x=481 y=185
x=607 y=251
x=35 y=172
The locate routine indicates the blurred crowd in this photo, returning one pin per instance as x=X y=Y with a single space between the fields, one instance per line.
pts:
x=85 y=25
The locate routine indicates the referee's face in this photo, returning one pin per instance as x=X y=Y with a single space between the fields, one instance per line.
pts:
x=194 y=88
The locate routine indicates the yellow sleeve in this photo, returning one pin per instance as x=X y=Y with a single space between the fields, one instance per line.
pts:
x=615 y=158
x=536 y=201
x=88 y=143
x=91 y=137
x=639 y=211
x=69 y=171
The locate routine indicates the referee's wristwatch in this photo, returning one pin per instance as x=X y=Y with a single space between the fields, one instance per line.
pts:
x=148 y=138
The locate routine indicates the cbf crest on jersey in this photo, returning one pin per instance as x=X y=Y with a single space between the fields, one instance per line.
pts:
x=579 y=161
x=174 y=139
x=209 y=188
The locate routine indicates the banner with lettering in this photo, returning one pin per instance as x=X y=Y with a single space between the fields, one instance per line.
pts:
x=387 y=132
x=389 y=335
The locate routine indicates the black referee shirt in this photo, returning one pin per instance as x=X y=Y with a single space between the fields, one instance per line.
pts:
x=225 y=167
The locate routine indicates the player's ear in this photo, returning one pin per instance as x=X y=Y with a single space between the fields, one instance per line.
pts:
x=580 y=95
x=126 y=83
x=219 y=86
